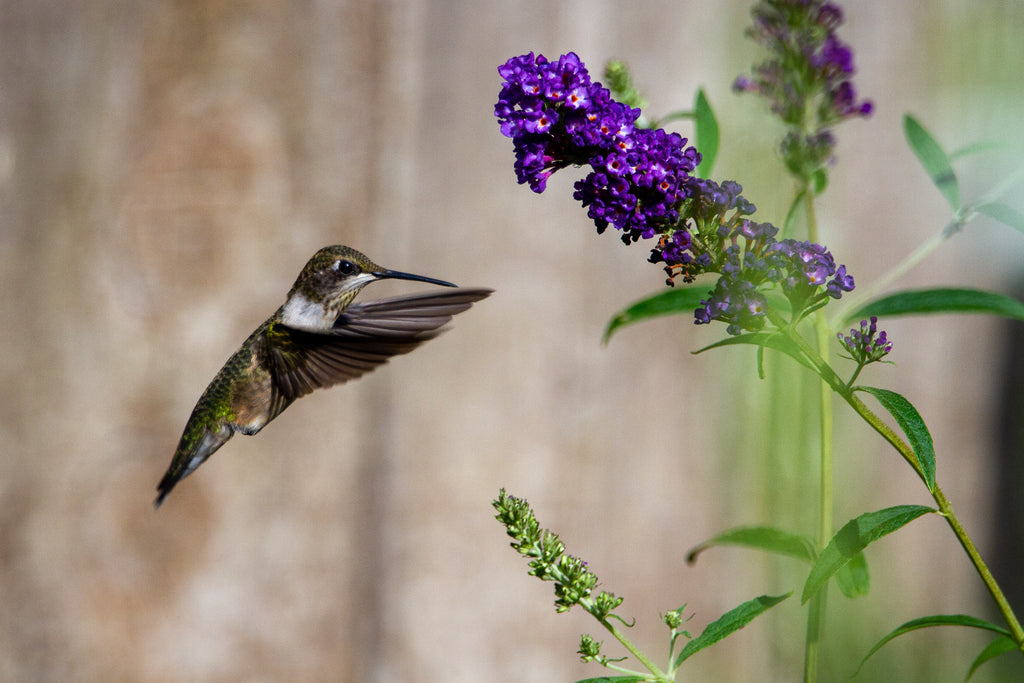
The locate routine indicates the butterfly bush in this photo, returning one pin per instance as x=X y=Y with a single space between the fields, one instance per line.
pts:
x=640 y=182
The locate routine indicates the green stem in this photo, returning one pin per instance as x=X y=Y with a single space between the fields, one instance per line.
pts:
x=640 y=656
x=854 y=376
x=880 y=284
x=946 y=508
x=955 y=225
x=816 y=616
x=825 y=371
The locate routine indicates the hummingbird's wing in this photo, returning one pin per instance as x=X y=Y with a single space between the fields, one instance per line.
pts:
x=364 y=336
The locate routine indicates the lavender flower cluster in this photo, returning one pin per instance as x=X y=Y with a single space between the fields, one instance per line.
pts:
x=640 y=182
x=863 y=346
x=806 y=79
x=798 y=268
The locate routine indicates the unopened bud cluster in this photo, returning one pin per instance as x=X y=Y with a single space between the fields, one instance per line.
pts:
x=574 y=583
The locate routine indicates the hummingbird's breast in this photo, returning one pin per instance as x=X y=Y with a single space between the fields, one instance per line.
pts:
x=252 y=396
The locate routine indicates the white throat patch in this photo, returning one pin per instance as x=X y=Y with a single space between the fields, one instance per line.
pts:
x=302 y=314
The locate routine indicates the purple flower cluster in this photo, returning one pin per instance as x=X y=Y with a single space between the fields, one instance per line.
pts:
x=800 y=269
x=806 y=266
x=808 y=73
x=736 y=299
x=705 y=210
x=557 y=117
x=863 y=346
x=639 y=181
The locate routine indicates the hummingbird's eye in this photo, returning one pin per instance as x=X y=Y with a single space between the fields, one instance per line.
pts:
x=344 y=267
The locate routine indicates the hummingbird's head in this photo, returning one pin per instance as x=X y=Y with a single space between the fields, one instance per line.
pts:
x=330 y=281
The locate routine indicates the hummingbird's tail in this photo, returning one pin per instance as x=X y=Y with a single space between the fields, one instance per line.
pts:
x=164 y=488
x=192 y=452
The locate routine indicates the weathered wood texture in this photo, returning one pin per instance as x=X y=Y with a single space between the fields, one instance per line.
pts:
x=165 y=171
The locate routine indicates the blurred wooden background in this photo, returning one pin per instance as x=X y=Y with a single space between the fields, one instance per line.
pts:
x=167 y=168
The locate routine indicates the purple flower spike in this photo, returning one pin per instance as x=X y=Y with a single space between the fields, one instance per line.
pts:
x=557 y=117
x=807 y=72
x=639 y=181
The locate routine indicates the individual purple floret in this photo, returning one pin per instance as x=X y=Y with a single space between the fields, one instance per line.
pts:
x=863 y=346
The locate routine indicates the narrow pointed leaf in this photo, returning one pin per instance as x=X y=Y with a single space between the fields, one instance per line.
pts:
x=977 y=148
x=789 y=224
x=853 y=578
x=933 y=159
x=997 y=647
x=729 y=623
x=935 y=620
x=913 y=426
x=671 y=301
x=762 y=538
x=772 y=340
x=856 y=535
x=705 y=135
x=1004 y=213
x=940 y=300
x=614 y=679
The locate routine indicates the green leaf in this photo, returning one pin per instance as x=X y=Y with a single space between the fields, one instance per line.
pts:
x=1004 y=213
x=856 y=535
x=941 y=300
x=852 y=578
x=913 y=426
x=706 y=136
x=933 y=159
x=819 y=181
x=670 y=302
x=936 y=620
x=729 y=623
x=992 y=650
x=789 y=224
x=762 y=538
x=614 y=679
x=979 y=148
x=772 y=340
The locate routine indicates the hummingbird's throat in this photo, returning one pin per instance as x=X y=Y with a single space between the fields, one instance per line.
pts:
x=302 y=313
x=308 y=311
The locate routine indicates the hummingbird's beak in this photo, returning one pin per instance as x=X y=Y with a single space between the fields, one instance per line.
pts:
x=397 y=275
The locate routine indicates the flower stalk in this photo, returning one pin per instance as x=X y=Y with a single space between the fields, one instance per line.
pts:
x=816 y=616
x=828 y=375
x=574 y=582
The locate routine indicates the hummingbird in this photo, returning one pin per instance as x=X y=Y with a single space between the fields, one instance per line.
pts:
x=317 y=339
